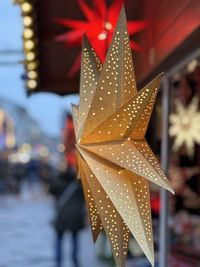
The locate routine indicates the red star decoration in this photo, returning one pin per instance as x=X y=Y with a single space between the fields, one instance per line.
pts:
x=98 y=26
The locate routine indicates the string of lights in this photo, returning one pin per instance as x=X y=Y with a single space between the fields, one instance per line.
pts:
x=30 y=43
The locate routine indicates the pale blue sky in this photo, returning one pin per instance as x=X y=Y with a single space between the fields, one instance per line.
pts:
x=44 y=107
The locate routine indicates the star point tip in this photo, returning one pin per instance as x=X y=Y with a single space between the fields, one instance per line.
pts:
x=122 y=17
x=159 y=76
x=85 y=41
x=170 y=189
x=122 y=10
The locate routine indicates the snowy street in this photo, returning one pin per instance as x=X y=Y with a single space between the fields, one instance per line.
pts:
x=27 y=238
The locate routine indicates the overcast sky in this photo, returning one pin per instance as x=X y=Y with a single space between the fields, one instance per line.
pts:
x=46 y=108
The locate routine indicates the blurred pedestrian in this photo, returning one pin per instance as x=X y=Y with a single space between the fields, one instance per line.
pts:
x=4 y=173
x=33 y=177
x=69 y=212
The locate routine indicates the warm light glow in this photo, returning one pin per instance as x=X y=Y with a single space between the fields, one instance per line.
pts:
x=24 y=157
x=192 y=65
x=28 y=33
x=108 y=26
x=29 y=44
x=32 y=65
x=2 y=116
x=10 y=140
x=32 y=84
x=6 y=127
x=61 y=148
x=26 y=148
x=32 y=74
x=30 y=56
x=102 y=36
x=27 y=21
x=185 y=126
x=26 y=7
x=44 y=151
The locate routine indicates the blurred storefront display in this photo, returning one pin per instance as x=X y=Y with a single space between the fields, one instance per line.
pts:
x=23 y=144
x=184 y=161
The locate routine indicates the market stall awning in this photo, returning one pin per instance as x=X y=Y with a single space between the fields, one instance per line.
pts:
x=53 y=60
x=173 y=32
x=172 y=37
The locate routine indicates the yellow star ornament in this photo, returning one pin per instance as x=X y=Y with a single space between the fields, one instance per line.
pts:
x=185 y=126
x=115 y=161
